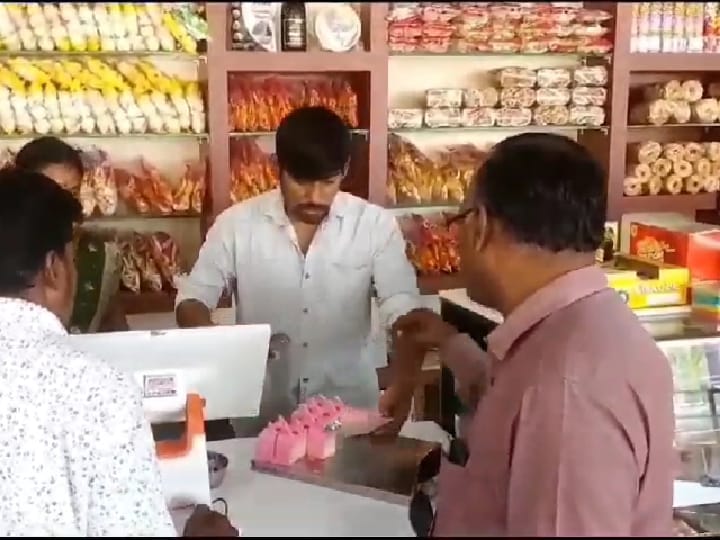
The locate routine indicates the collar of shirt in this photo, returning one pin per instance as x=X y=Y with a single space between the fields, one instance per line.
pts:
x=275 y=210
x=560 y=293
x=26 y=317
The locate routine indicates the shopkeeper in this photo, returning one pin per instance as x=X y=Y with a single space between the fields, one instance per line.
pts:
x=574 y=434
x=306 y=258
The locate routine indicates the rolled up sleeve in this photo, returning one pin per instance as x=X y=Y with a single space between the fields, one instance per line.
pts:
x=215 y=267
x=395 y=280
x=573 y=469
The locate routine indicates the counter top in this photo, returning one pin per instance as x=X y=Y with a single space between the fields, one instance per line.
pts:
x=265 y=505
x=460 y=298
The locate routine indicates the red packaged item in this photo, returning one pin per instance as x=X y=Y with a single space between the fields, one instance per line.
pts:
x=502 y=32
x=563 y=45
x=594 y=46
x=437 y=30
x=506 y=12
x=403 y=45
x=473 y=17
x=535 y=46
x=590 y=30
x=435 y=45
x=405 y=29
x=505 y=46
x=593 y=16
x=562 y=15
x=439 y=12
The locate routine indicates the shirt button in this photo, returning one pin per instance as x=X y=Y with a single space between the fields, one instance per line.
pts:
x=305 y=345
x=307 y=276
x=305 y=310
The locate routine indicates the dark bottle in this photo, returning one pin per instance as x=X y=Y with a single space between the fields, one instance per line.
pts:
x=293 y=26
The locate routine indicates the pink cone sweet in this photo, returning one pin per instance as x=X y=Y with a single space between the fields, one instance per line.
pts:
x=320 y=442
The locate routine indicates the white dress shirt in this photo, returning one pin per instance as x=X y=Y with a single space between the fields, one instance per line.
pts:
x=321 y=300
x=78 y=458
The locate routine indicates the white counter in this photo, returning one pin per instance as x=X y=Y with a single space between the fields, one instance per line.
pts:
x=265 y=505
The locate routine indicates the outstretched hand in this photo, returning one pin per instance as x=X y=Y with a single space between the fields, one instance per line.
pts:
x=425 y=328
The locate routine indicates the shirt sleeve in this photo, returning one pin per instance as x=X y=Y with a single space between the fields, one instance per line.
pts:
x=214 y=269
x=573 y=470
x=125 y=493
x=394 y=277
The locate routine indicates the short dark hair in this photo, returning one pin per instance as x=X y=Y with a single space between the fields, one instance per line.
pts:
x=546 y=190
x=44 y=151
x=312 y=143
x=37 y=217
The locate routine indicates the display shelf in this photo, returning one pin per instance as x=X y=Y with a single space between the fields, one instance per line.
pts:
x=492 y=129
x=579 y=56
x=164 y=55
x=685 y=203
x=134 y=217
x=319 y=61
x=434 y=284
x=655 y=62
x=241 y=134
x=154 y=136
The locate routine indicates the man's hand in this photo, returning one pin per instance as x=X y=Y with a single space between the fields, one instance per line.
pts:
x=395 y=403
x=207 y=522
x=424 y=327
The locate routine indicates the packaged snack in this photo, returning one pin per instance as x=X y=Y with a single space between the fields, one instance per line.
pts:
x=552 y=96
x=480 y=97
x=517 y=78
x=517 y=97
x=508 y=117
x=405 y=118
x=551 y=115
x=478 y=117
x=443 y=98
x=553 y=78
x=590 y=76
x=449 y=117
x=589 y=95
x=587 y=116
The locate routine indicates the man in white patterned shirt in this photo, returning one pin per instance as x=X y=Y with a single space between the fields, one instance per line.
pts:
x=305 y=259
x=78 y=458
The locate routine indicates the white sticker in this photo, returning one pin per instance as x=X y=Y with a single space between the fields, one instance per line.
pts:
x=159 y=386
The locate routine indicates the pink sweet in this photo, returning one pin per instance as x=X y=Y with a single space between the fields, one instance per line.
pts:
x=303 y=414
x=320 y=443
x=265 y=446
x=290 y=444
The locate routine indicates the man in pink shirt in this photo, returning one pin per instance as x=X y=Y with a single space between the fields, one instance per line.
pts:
x=572 y=434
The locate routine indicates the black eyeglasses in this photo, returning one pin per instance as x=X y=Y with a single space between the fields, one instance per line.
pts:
x=459 y=216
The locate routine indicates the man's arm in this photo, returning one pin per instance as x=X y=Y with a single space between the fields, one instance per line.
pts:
x=199 y=292
x=573 y=470
x=126 y=497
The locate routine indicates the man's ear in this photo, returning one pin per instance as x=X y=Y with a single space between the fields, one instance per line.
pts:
x=480 y=228
x=52 y=272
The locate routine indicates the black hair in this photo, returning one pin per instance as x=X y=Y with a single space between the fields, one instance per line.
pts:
x=546 y=190
x=312 y=143
x=44 y=151
x=37 y=217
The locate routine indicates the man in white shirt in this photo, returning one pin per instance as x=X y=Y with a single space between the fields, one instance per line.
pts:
x=78 y=457
x=307 y=258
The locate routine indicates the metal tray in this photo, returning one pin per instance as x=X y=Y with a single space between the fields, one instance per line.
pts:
x=382 y=468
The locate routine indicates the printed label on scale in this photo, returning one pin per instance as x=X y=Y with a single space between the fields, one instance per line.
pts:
x=159 y=386
x=295 y=32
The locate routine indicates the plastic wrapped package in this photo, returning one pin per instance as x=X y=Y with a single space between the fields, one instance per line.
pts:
x=593 y=30
x=553 y=78
x=443 y=98
x=587 y=116
x=551 y=115
x=481 y=97
x=405 y=118
x=656 y=112
x=504 y=46
x=589 y=95
x=534 y=46
x=438 y=12
x=478 y=117
x=563 y=44
x=517 y=97
x=436 y=118
x=436 y=37
x=514 y=77
x=596 y=46
x=507 y=117
x=590 y=76
x=552 y=96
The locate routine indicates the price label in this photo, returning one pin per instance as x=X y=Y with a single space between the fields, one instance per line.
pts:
x=160 y=386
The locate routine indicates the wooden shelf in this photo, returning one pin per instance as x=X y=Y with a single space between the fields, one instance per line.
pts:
x=311 y=61
x=670 y=203
x=432 y=284
x=649 y=62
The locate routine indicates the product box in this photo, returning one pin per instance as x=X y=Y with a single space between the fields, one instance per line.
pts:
x=643 y=283
x=695 y=246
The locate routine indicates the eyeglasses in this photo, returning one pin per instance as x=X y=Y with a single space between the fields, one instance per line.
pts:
x=460 y=216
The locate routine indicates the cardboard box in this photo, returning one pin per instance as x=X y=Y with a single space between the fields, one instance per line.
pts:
x=695 y=246
x=643 y=284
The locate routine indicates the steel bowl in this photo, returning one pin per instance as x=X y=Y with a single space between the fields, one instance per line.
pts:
x=217 y=467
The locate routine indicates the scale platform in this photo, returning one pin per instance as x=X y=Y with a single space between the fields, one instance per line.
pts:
x=382 y=468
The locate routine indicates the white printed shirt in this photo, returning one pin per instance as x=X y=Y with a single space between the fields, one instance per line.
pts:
x=77 y=458
x=321 y=300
